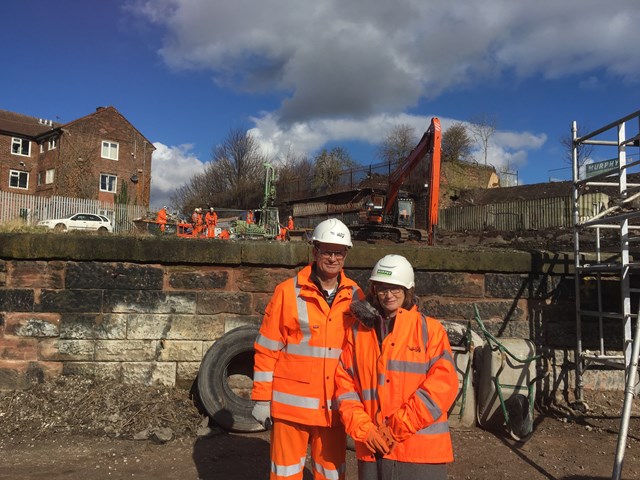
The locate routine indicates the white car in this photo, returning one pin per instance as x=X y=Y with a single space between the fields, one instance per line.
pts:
x=79 y=221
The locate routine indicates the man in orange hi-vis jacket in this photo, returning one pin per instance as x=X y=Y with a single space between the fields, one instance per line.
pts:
x=211 y=220
x=296 y=355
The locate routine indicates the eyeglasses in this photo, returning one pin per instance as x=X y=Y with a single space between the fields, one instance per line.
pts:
x=382 y=290
x=339 y=254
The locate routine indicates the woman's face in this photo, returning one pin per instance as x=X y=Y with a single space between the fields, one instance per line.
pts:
x=391 y=297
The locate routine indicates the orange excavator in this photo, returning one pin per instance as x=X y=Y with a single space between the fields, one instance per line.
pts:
x=393 y=216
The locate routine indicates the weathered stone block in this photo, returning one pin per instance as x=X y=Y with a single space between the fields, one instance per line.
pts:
x=179 y=350
x=521 y=286
x=33 y=324
x=132 y=301
x=235 y=321
x=72 y=301
x=125 y=350
x=99 y=370
x=175 y=327
x=149 y=373
x=18 y=348
x=35 y=274
x=21 y=375
x=197 y=279
x=449 y=309
x=210 y=303
x=261 y=280
x=106 y=327
x=16 y=300
x=113 y=276
x=66 y=350
x=186 y=374
x=277 y=253
x=450 y=284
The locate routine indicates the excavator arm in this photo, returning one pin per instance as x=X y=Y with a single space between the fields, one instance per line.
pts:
x=430 y=143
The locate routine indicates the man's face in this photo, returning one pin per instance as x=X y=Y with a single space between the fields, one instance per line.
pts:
x=329 y=258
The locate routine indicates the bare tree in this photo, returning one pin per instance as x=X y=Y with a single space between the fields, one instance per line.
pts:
x=456 y=143
x=482 y=128
x=398 y=144
x=233 y=179
x=329 y=166
x=295 y=176
x=583 y=151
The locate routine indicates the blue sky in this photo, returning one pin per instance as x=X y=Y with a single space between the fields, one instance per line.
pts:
x=305 y=75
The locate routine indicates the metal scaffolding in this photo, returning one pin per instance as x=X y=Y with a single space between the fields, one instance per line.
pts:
x=603 y=239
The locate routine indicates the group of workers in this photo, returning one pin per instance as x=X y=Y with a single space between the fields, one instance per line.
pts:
x=332 y=359
x=204 y=225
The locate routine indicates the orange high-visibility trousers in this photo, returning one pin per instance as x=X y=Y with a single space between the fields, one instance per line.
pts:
x=289 y=443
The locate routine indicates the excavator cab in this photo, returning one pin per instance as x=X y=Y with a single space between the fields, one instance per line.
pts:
x=405 y=213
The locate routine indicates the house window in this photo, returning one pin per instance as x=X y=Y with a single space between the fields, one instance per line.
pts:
x=109 y=150
x=40 y=177
x=21 y=146
x=51 y=173
x=53 y=143
x=108 y=183
x=18 y=179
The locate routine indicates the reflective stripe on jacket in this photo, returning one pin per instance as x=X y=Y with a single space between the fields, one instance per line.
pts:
x=410 y=385
x=297 y=350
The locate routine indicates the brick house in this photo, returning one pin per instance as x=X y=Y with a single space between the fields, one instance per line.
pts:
x=99 y=156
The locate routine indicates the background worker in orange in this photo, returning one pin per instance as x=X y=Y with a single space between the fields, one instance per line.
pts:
x=396 y=381
x=296 y=354
x=196 y=220
x=250 y=217
x=290 y=223
x=161 y=219
x=211 y=220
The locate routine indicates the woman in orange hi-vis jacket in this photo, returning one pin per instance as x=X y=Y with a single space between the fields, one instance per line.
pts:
x=396 y=381
x=296 y=355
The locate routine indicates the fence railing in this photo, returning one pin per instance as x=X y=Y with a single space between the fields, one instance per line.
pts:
x=532 y=214
x=30 y=209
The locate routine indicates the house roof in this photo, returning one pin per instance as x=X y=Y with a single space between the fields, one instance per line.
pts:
x=12 y=123
x=23 y=125
x=100 y=111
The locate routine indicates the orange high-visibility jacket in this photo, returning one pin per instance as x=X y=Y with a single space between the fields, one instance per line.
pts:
x=410 y=386
x=297 y=350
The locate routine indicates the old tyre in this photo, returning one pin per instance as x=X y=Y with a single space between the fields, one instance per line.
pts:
x=225 y=380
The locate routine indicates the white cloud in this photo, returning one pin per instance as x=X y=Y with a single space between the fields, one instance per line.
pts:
x=171 y=168
x=361 y=58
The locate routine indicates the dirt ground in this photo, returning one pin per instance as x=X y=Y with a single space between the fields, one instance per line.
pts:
x=73 y=428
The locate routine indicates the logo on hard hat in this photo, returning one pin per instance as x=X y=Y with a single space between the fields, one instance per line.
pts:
x=384 y=272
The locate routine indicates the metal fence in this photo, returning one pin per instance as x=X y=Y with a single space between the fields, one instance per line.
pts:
x=30 y=209
x=531 y=214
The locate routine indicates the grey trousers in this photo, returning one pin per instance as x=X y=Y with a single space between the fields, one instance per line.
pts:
x=393 y=470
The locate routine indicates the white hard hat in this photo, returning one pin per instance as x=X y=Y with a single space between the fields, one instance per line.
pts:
x=332 y=231
x=393 y=269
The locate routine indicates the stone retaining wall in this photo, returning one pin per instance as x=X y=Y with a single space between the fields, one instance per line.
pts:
x=145 y=310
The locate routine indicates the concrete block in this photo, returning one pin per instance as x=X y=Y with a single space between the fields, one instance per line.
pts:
x=175 y=327
x=100 y=370
x=104 y=327
x=18 y=348
x=38 y=325
x=132 y=301
x=66 y=350
x=179 y=351
x=113 y=276
x=125 y=350
x=210 y=303
x=149 y=373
